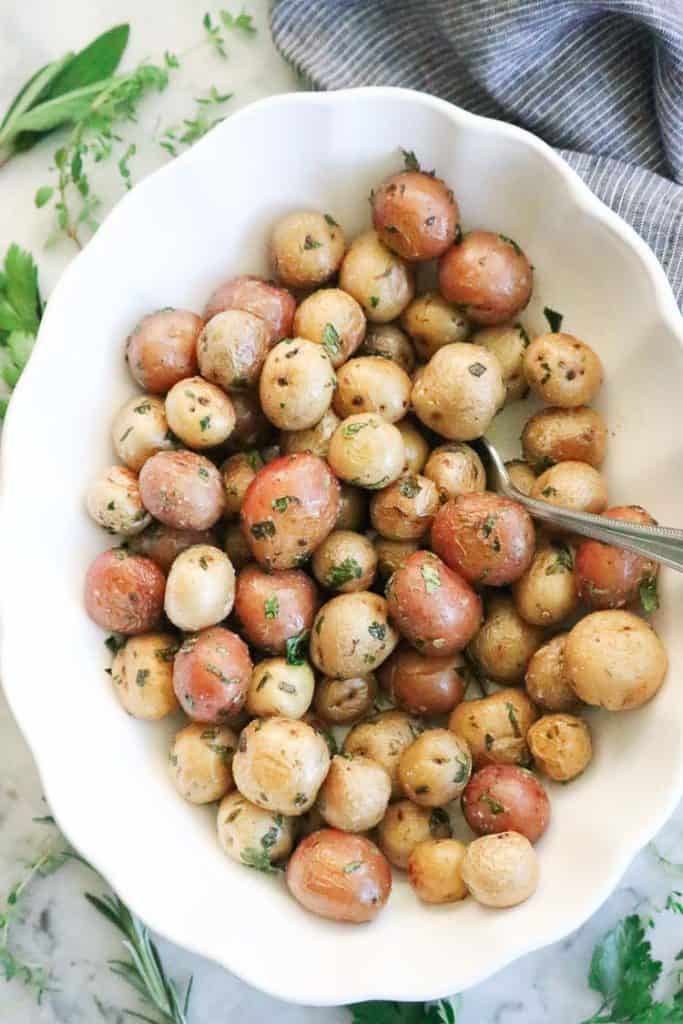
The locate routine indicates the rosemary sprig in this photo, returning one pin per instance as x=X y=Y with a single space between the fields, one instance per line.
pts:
x=144 y=971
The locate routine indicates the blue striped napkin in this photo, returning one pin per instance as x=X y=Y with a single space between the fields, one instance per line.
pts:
x=601 y=80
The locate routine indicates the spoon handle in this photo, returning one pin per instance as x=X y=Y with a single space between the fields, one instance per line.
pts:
x=662 y=543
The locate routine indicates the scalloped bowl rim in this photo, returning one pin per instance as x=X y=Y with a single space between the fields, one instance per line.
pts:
x=75 y=828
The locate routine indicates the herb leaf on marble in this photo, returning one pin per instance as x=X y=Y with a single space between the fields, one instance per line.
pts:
x=144 y=971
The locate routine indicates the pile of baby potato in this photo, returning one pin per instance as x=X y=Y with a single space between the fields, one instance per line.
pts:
x=310 y=557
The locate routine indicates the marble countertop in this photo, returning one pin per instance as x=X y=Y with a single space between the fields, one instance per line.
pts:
x=60 y=929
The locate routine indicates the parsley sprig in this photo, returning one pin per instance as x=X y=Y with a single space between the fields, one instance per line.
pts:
x=443 y=1011
x=21 y=308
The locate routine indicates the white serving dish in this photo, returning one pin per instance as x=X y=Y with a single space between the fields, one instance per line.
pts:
x=198 y=220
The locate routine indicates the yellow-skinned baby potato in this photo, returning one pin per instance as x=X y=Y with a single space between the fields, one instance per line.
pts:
x=142 y=673
x=199 y=414
x=487 y=275
x=231 y=349
x=113 y=501
x=251 y=835
x=353 y=508
x=355 y=795
x=508 y=343
x=306 y=248
x=140 y=430
x=200 y=762
x=574 y=485
x=297 y=383
x=344 y=701
x=315 y=440
x=238 y=471
x=521 y=475
x=561 y=435
x=405 y=509
x=345 y=562
x=456 y=469
x=562 y=370
x=384 y=738
x=546 y=679
x=372 y=384
x=415 y=213
x=501 y=870
x=200 y=590
x=495 y=727
x=352 y=635
x=162 y=349
x=333 y=319
x=339 y=876
x=435 y=871
x=561 y=746
x=367 y=451
x=405 y=825
x=504 y=645
x=278 y=688
x=280 y=764
x=546 y=594
x=460 y=391
x=435 y=768
x=415 y=444
x=377 y=278
x=236 y=547
x=390 y=342
x=614 y=660
x=392 y=554
x=432 y=322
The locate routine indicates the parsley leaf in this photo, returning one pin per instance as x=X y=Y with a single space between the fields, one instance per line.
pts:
x=295 y=648
x=647 y=592
x=623 y=971
x=331 y=341
x=343 y=573
x=554 y=319
x=376 y=1012
x=410 y=161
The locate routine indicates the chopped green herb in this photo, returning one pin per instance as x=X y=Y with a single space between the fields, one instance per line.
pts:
x=281 y=504
x=141 y=676
x=526 y=340
x=331 y=221
x=311 y=243
x=259 y=860
x=377 y=630
x=343 y=573
x=350 y=429
x=563 y=561
x=331 y=341
x=300 y=799
x=488 y=741
x=431 y=577
x=410 y=161
x=462 y=772
x=204 y=422
x=409 y=486
x=115 y=642
x=271 y=607
x=203 y=562
x=488 y=525
x=494 y=806
x=512 y=716
x=203 y=473
x=286 y=687
x=511 y=242
x=477 y=369
x=549 y=492
x=295 y=647
x=374 y=301
x=264 y=529
x=352 y=866
x=554 y=319
x=649 y=597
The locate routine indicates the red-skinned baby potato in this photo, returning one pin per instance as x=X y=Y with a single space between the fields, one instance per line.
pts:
x=183 y=490
x=434 y=608
x=609 y=577
x=485 y=537
x=211 y=675
x=162 y=349
x=252 y=429
x=163 y=544
x=273 y=607
x=503 y=798
x=275 y=305
x=422 y=685
x=340 y=876
x=415 y=214
x=488 y=276
x=290 y=507
x=124 y=593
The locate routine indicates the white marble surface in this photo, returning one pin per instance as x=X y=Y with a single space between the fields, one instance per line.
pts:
x=60 y=929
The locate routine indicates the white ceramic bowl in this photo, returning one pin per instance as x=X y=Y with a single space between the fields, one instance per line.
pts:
x=200 y=219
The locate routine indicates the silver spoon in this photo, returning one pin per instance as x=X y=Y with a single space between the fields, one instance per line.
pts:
x=662 y=543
